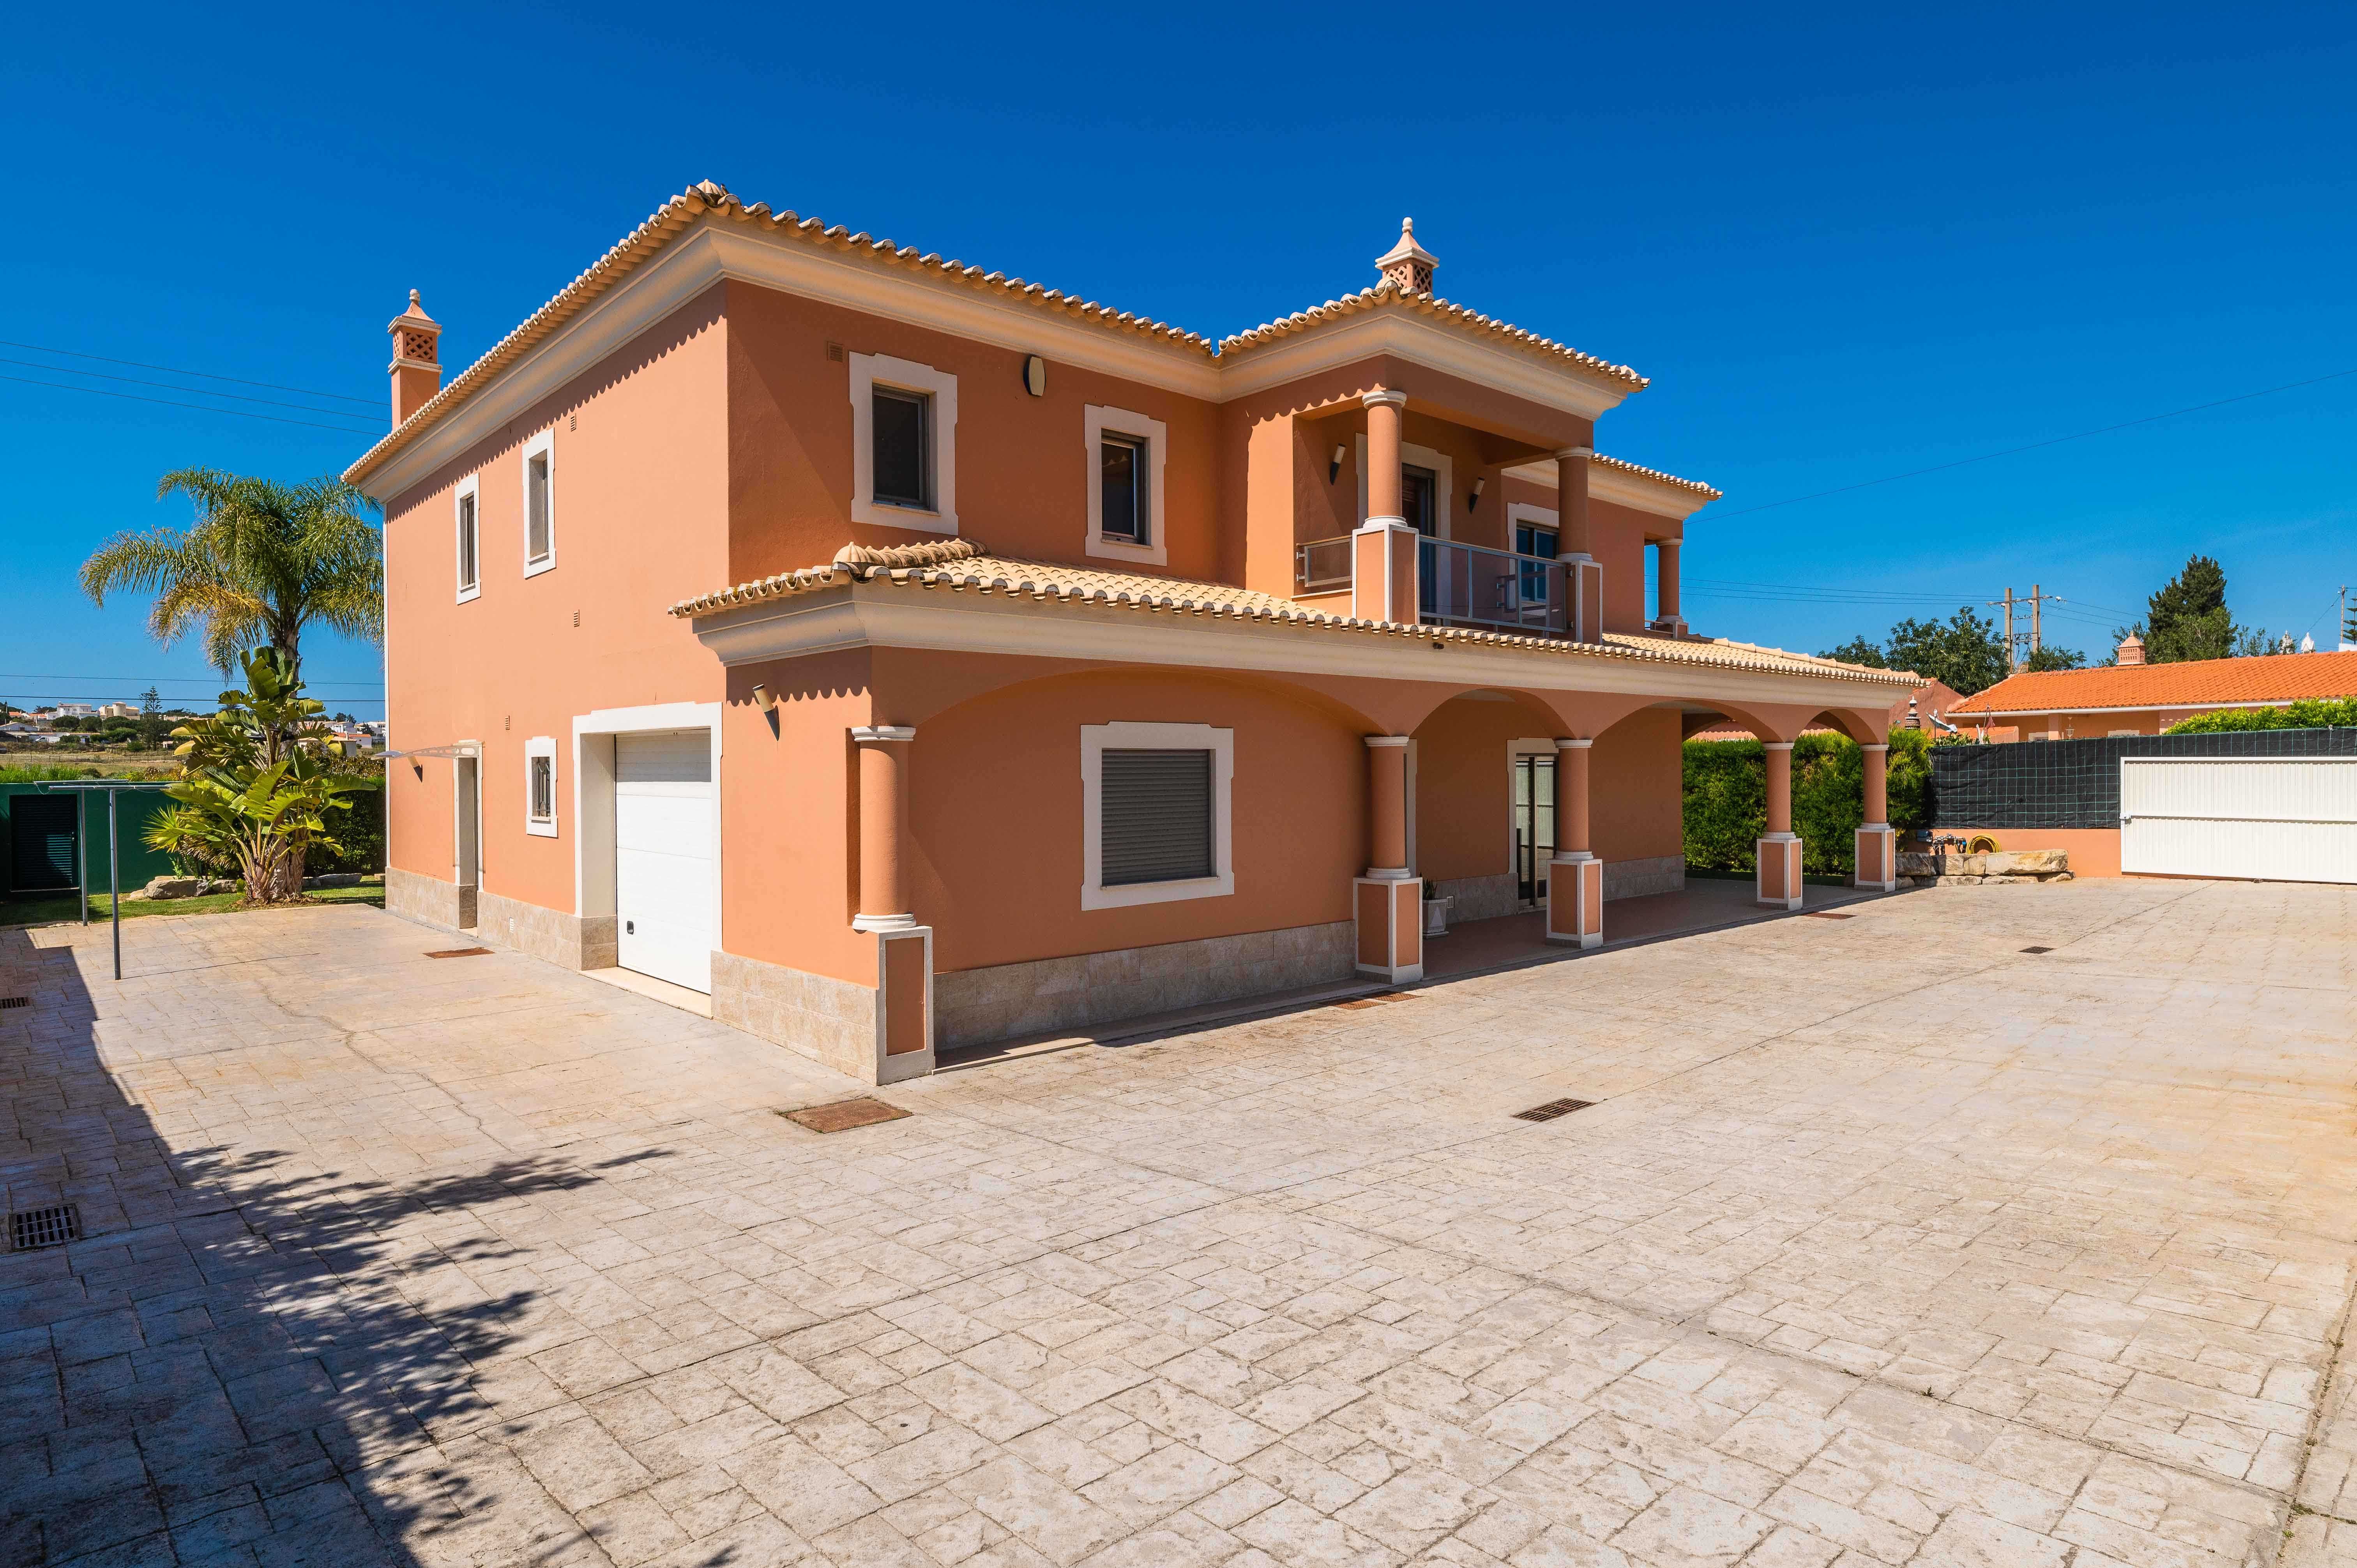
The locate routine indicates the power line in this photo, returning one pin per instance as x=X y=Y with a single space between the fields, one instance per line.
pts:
x=201 y=408
x=169 y=680
x=2035 y=445
x=167 y=386
x=233 y=380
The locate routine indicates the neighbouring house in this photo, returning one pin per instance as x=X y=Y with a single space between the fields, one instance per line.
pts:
x=908 y=655
x=2136 y=698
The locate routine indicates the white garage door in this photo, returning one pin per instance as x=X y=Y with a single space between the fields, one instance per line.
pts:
x=2275 y=819
x=663 y=872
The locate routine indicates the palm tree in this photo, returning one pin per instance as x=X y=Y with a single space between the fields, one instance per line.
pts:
x=263 y=559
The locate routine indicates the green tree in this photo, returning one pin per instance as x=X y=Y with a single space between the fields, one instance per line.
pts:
x=2188 y=620
x=262 y=561
x=1965 y=651
x=2044 y=657
x=255 y=784
x=1858 y=650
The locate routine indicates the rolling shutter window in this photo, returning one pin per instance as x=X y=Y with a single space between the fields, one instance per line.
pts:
x=1157 y=816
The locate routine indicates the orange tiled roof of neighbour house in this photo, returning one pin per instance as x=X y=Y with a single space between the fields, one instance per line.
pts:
x=961 y=564
x=2203 y=683
x=672 y=217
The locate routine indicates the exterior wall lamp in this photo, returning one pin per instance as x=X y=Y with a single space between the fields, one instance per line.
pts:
x=1480 y=484
x=1334 y=465
x=765 y=699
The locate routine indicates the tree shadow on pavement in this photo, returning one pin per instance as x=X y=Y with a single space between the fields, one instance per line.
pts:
x=240 y=1343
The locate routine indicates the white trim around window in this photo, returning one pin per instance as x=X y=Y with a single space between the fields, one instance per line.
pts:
x=1095 y=741
x=467 y=537
x=1444 y=483
x=1521 y=512
x=539 y=748
x=543 y=449
x=868 y=373
x=1156 y=550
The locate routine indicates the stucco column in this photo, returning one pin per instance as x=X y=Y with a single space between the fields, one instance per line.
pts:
x=1575 y=877
x=1387 y=805
x=1876 y=863
x=1384 y=409
x=1583 y=575
x=1667 y=615
x=1778 y=879
x=884 y=902
x=1877 y=785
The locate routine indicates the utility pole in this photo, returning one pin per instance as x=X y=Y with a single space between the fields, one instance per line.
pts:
x=2036 y=619
x=2012 y=651
x=2014 y=658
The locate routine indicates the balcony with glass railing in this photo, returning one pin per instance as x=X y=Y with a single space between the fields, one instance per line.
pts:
x=1460 y=584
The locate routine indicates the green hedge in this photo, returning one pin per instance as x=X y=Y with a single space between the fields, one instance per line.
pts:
x=2314 y=712
x=1726 y=798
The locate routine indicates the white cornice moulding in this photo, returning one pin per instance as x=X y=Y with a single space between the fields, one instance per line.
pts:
x=936 y=620
x=1400 y=333
x=1621 y=489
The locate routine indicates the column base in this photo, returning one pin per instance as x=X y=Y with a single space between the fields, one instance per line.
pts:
x=1390 y=909
x=1878 y=858
x=1777 y=880
x=904 y=1002
x=1575 y=909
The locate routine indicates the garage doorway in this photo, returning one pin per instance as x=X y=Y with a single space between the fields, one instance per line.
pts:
x=666 y=879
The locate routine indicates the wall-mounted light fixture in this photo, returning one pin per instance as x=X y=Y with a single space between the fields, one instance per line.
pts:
x=764 y=699
x=1479 y=485
x=1035 y=376
x=1334 y=467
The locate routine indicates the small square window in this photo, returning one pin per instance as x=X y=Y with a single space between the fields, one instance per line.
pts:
x=1122 y=470
x=903 y=449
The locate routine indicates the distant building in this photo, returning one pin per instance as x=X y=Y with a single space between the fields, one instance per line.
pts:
x=2136 y=698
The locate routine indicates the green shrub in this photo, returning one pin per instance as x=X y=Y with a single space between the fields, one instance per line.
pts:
x=1726 y=798
x=2312 y=713
x=47 y=772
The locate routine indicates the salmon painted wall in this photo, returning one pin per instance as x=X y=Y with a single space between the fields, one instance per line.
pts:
x=2095 y=852
x=639 y=485
x=1617 y=536
x=995 y=812
x=1023 y=469
x=2082 y=726
x=1463 y=789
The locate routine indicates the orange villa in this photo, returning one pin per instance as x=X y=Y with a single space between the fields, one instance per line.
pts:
x=909 y=656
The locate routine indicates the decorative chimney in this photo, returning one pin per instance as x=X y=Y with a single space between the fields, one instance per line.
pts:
x=2131 y=649
x=416 y=358
x=1407 y=265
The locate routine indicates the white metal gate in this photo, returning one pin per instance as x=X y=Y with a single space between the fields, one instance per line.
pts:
x=2270 y=819
x=663 y=882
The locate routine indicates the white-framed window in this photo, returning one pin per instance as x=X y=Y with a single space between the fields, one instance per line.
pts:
x=1422 y=469
x=1155 y=814
x=1126 y=454
x=540 y=502
x=468 y=519
x=539 y=785
x=903 y=444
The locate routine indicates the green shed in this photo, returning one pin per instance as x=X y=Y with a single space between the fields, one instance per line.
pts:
x=49 y=836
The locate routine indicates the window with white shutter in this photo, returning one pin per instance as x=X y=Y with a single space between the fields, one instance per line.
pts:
x=1157 y=816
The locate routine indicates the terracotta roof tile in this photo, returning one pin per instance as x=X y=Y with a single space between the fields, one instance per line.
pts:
x=1388 y=293
x=962 y=566
x=1695 y=487
x=2205 y=682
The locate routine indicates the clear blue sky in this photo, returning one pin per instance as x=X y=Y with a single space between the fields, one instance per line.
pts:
x=1845 y=245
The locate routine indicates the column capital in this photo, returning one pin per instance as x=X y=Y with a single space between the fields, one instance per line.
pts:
x=1385 y=396
x=1777 y=745
x=1568 y=743
x=871 y=734
x=1386 y=739
x=1575 y=452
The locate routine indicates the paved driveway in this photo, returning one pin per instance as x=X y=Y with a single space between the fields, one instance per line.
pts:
x=1885 y=1242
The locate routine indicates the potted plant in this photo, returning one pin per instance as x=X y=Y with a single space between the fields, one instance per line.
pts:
x=1435 y=910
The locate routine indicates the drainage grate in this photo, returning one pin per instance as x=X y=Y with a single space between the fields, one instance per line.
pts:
x=1552 y=1109
x=459 y=952
x=2038 y=950
x=1826 y=915
x=1376 y=1001
x=7 y=1002
x=844 y=1115
x=52 y=1226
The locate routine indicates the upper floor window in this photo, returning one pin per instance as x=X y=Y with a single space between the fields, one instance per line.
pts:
x=1419 y=498
x=904 y=443
x=469 y=538
x=539 y=503
x=1126 y=458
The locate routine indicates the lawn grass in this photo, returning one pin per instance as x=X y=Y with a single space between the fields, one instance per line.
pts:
x=41 y=911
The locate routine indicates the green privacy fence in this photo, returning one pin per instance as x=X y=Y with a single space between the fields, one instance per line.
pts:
x=42 y=832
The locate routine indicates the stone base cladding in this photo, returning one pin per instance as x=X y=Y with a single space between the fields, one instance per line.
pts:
x=428 y=900
x=1642 y=879
x=1973 y=870
x=975 y=1005
x=830 y=1021
x=575 y=942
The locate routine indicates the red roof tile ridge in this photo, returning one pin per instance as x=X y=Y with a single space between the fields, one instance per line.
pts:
x=1389 y=293
x=2194 y=682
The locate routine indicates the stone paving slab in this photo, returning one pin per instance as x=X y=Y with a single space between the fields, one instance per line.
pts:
x=1885 y=1243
